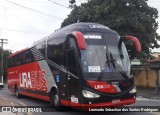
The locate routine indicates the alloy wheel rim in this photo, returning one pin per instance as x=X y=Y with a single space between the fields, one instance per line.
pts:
x=56 y=99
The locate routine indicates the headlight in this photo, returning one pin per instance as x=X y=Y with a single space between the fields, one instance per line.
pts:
x=89 y=94
x=133 y=90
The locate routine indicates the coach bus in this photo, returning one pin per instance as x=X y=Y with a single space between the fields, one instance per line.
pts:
x=81 y=65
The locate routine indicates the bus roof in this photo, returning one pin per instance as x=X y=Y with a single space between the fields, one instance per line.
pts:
x=88 y=25
x=81 y=26
x=17 y=52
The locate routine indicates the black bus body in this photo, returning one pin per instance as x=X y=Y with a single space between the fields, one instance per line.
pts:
x=89 y=65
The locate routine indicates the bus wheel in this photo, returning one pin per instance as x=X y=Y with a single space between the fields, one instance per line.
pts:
x=55 y=100
x=16 y=92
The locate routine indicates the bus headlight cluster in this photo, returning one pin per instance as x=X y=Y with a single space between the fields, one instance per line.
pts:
x=133 y=90
x=88 y=94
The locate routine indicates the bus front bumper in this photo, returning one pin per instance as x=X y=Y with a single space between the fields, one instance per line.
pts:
x=87 y=107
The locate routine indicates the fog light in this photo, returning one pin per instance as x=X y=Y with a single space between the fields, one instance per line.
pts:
x=133 y=90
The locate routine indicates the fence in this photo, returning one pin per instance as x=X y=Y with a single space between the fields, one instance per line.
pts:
x=147 y=76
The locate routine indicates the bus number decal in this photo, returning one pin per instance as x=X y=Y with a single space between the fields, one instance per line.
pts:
x=33 y=79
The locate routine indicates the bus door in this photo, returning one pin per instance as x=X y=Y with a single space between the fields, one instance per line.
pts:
x=72 y=76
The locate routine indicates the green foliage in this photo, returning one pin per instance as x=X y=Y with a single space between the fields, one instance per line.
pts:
x=127 y=17
x=6 y=53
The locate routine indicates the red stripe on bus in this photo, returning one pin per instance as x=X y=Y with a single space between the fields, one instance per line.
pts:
x=102 y=86
x=65 y=103
x=45 y=98
x=97 y=105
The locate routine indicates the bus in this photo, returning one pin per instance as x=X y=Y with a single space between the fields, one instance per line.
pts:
x=82 y=65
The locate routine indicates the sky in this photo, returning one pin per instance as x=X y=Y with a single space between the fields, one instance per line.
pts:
x=24 y=22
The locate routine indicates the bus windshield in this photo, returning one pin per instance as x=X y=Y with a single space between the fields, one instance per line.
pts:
x=103 y=55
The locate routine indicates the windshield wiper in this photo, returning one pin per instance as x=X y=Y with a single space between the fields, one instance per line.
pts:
x=106 y=65
x=115 y=66
x=118 y=67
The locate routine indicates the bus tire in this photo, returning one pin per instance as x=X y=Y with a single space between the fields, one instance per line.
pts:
x=55 y=100
x=17 y=92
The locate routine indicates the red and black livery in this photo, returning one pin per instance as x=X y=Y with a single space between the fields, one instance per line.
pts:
x=83 y=65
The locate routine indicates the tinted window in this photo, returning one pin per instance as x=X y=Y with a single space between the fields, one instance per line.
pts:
x=71 y=61
x=29 y=56
x=10 y=62
x=41 y=48
x=55 y=51
x=18 y=60
x=24 y=60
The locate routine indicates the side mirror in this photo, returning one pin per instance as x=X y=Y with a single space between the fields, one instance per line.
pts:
x=80 y=40
x=135 y=41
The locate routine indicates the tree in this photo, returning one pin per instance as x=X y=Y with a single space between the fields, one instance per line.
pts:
x=127 y=17
x=6 y=53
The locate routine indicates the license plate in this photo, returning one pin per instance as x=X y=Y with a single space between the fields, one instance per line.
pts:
x=114 y=101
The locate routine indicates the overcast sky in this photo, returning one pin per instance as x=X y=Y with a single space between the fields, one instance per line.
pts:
x=23 y=22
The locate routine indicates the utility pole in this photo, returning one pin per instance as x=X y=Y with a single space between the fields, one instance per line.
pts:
x=2 y=41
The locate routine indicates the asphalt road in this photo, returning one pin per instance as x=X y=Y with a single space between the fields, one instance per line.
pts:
x=5 y=93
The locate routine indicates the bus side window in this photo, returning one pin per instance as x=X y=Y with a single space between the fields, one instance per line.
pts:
x=71 y=61
x=14 y=61
x=24 y=61
x=55 y=52
x=10 y=62
x=29 y=57
x=18 y=60
x=41 y=47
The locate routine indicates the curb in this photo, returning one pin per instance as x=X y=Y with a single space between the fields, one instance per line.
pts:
x=149 y=95
x=156 y=98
